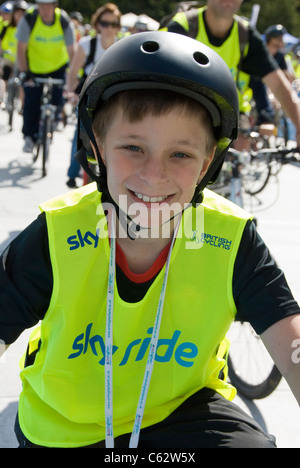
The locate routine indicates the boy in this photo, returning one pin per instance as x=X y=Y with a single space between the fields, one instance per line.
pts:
x=134 y=300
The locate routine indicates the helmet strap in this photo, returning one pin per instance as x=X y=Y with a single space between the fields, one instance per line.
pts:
x=86 y=122
x=215 y=167
x=82 y=159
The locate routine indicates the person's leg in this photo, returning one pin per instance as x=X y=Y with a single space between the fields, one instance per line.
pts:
x=205 y=420
x=31 y=111
x=57 y=96
x=74 y=169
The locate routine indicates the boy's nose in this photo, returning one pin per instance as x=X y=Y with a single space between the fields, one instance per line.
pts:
x=154 y=169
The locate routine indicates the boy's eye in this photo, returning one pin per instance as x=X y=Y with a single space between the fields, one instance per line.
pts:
x=180 y=155
x=134 y=148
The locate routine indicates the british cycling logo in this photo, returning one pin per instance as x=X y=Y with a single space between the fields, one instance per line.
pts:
x=183 y=353
x=210 y=239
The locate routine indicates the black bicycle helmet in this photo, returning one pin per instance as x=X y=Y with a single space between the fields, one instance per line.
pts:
x=276 y=30
x=162 y=60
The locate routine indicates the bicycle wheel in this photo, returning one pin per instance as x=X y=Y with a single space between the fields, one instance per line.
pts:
x=256 y=174
x=250 y=368
x=46 y=141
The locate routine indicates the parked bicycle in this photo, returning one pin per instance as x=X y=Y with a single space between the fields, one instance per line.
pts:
x=47 y=119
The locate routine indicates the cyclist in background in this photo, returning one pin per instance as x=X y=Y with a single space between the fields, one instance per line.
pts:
x=77 y=19
x=8 y=40
x=275 y=44
x=242 y=48
x=106 y=21
x=48 y=57
x=5 y=16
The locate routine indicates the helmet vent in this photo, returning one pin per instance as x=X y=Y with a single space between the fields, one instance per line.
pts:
x=150 y=47
x=201 y=58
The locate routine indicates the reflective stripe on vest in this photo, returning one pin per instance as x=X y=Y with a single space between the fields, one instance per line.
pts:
x=62 y=402
x=47 y=51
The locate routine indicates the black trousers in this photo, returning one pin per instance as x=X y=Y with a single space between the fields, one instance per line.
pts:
x=205 y=420
x=32 y=103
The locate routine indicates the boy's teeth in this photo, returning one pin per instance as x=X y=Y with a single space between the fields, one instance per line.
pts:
x=145 y=198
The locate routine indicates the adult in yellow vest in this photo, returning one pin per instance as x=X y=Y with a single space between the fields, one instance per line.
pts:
x=216 y=25
x=46 y=42
x=8 y=40
x=137 y=286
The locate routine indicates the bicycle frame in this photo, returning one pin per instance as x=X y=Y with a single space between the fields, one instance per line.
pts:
x=47 y=117
x=47 y=108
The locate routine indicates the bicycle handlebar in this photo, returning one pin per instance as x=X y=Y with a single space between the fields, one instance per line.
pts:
x=276 y=151
x=49 y=81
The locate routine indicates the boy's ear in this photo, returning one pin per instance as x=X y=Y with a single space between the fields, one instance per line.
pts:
x=207 y=162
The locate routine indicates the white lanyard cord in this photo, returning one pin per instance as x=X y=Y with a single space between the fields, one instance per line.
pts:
x=109 y=438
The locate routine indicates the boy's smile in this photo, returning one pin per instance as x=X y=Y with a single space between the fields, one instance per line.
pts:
x=146 y=199
x=155 y=162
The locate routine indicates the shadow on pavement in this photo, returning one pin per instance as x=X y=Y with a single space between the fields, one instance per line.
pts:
x=7 y=422
x=19 y=173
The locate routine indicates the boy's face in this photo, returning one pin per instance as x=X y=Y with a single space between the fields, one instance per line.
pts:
x=155 y=163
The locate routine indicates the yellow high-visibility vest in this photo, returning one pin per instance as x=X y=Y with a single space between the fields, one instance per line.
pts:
x=47 y=50
x=62 y=402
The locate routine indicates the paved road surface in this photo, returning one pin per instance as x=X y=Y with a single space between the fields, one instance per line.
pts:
x=22 y=189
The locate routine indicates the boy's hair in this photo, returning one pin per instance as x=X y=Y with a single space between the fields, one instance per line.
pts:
x=137 y=104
